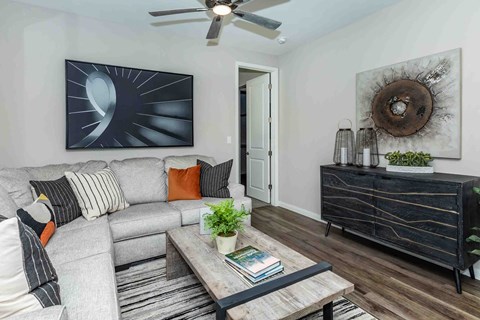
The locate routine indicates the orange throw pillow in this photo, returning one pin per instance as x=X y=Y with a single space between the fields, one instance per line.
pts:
x=184 y=184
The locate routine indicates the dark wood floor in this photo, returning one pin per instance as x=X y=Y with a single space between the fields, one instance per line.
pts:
x=388 y=284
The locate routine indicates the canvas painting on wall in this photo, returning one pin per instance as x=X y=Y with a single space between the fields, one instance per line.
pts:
x=117 y=107
x=414 y=105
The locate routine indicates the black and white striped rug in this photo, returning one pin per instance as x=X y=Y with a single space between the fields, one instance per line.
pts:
x=145 y=293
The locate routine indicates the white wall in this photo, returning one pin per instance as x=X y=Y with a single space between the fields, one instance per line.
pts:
x=318 y=86
x=34 y=43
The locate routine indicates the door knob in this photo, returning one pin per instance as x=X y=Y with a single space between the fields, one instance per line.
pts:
x=248 y=153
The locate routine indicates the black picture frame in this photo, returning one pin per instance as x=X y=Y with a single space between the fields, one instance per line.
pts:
x=112 y=107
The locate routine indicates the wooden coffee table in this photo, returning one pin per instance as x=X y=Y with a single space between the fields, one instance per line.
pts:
x=306 y=286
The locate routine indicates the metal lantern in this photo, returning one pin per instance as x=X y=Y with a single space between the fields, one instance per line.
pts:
x=367 y=148
x=344 y=145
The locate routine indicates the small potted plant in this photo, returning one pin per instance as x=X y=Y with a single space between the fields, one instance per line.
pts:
x=409 y=162
x=224 y=223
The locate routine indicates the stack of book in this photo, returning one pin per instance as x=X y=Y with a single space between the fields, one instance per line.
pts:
x=253 y=265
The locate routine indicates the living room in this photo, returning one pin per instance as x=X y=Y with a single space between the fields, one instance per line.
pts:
x=328 y=46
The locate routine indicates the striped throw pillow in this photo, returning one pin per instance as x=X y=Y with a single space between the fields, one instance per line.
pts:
x=97 y=193
x=214 y=179
x=28 y=279
x=62 y=198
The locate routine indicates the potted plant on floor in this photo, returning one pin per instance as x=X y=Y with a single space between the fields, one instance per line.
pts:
x=474 y=239
x=409 y=162
x=224 y=223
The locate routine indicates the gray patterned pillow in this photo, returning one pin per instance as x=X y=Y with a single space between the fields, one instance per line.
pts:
x=214 y=179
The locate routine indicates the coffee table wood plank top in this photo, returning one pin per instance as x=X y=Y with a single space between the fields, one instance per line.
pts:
x=293 y=302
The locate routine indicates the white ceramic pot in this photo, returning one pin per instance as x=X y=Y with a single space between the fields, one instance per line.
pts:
x=406 y=169
x=226 y=245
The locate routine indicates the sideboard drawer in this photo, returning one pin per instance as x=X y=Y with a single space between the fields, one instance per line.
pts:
x=422 y=194
x=430 y=245
x=347 y=200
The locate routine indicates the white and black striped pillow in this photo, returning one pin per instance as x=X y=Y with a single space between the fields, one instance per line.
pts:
x=62 y=198
x=28 y=279
x=214 y=179
x=97 y=193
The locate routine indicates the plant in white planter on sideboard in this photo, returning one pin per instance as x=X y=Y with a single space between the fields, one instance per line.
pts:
x=409 y=162
x=224 y=223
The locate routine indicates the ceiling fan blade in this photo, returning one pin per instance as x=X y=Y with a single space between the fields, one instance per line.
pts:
x=261 y=21
x=241 y=1
x=215 y=27
x=176 y=11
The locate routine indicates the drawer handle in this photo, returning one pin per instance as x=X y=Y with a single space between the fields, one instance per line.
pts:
x=386 y=178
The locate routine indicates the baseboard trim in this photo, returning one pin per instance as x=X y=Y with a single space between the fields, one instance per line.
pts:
x=303 y=212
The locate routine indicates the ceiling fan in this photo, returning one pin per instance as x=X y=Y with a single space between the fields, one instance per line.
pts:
x=222 y=8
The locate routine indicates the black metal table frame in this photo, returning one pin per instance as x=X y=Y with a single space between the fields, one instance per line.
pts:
x=263 y=289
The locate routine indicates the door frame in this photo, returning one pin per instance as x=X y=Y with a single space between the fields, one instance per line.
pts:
x=274 y=76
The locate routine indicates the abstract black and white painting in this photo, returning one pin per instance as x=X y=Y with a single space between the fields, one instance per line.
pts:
x=414 y=105
x=118 y=107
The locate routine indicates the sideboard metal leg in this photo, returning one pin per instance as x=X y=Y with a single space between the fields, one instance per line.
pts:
x=472 y=272
x=458 y=280
x=327 y=230
x=328 y=311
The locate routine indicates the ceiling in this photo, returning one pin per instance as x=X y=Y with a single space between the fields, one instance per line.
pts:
x=303 y=20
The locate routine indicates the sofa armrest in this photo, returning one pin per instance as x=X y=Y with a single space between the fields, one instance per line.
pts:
x=236 y=190
x=50 y=313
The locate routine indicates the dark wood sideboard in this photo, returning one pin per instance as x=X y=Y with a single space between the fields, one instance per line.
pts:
x=429 y=215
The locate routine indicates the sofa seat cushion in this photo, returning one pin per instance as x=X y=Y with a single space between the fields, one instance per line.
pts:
x=142 y=220
x=68 y=244
x=143 y=180
x=81 y=222
x=50 y=313
x=89 y=288
x=190 y=209
x=138 y=249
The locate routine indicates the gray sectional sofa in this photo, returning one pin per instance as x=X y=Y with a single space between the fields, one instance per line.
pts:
x=85 y=253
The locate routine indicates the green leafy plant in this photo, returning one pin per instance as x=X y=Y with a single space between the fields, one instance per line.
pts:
x=409 y=159
x=225 y=219
x=474 y=238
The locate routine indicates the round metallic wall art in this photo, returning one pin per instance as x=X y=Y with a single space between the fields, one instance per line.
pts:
x=402 y=108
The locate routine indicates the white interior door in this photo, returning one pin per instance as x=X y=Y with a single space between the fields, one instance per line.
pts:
x=258 y=138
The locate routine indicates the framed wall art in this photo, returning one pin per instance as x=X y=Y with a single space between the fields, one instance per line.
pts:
x=119 y=107
x=414 y=105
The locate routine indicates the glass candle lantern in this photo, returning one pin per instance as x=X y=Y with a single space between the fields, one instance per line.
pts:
x=367 y=148
x=344 y=145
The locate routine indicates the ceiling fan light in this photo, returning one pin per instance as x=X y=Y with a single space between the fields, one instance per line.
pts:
x=222 y=10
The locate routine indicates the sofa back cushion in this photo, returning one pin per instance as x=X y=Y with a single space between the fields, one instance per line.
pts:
x=17 y=181
x=183 y=162
x=56 y=171
x=142 y=180
x=7 y=205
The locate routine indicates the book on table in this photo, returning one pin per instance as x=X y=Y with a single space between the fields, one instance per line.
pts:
x=255 y=280
x=253 y=261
